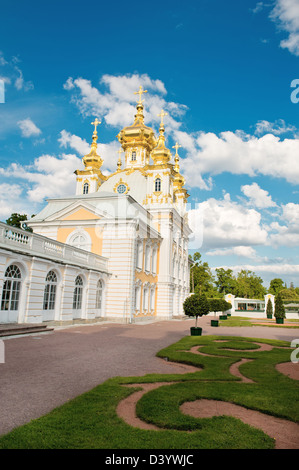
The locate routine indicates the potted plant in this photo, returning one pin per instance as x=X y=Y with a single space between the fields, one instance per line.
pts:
x=279 y=309
x=213 y=307
x=196 y=306
x=225 y=308
x=269 y=309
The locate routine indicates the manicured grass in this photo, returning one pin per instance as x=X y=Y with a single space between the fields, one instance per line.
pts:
x=246 y=321
x=236 y=321
x=90 y=420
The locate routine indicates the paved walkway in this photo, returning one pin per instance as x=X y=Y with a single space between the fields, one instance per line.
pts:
x=44 y=371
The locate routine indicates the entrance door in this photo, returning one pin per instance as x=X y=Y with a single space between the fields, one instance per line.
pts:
x=11 y=295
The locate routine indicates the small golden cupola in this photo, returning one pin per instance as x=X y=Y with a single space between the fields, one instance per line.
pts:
x=160 y=154
x=137 y=140
x=180 y=193
x=89 y=179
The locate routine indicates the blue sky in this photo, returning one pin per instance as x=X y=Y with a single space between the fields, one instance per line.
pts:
x=222 y=70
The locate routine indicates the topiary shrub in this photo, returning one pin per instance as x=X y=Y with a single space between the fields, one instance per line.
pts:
x=279 y=307
x=196 y=306
x=269 y=309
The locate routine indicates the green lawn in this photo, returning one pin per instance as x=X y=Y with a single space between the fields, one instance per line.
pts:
x=246 y=321
x=90 y=420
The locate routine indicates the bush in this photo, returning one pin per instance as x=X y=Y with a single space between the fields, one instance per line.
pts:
x=279 y=307
x=269 y=309
x=196 y=306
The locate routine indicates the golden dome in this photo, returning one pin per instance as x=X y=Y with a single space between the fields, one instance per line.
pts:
x=92 y=159
x=138 y=135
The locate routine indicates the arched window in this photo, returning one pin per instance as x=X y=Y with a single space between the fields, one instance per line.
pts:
x=11 y=288
x=137 y=298
x=152 y=299
x=78 y=292
x=85 y=188
x=139 y=254
x=154 y=261
x=80 y=239
x=99 y=298
x=157 y=185
x=145 y=299
x=147 y=258
x=50 y=291
x=134 y=156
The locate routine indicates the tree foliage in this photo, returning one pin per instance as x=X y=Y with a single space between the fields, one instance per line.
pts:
x=219 y=305
x=196 y=306
x=269 y=308
x=19 y=221
x=276 y=285
x=279 y=307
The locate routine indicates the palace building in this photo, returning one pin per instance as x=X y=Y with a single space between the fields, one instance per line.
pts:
x=116 y=250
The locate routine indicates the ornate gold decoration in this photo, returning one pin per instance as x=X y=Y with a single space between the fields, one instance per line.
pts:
x=160 y=154
x=121 y=182
x=138 y=136
x=162 y=115
x=119 y=160
x=92 y=161
x=176 y=157
x=140 y=93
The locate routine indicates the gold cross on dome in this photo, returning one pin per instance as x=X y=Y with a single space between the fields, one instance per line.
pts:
x=140 y=93
x=162 y=114
x=176 y=147
x=95 y=123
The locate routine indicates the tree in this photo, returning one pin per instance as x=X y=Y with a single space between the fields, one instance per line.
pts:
x=288 y=294
x=219 y=305
x=275 y=286
x=226 y=281
x=19 y=221
x=269 y=309
x=196 y=306
x=279 y=307
x=201 y=278
x=249 y=285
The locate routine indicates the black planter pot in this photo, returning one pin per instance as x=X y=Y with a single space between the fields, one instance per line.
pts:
x=195 y=331
x=269 y=316
x=223 y=317
x=280 y=321
x=214 y=323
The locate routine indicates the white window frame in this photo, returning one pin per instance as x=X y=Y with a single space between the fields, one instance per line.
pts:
x=11 y=290
x=78 y=293
x=50 y=291
x=158 y=185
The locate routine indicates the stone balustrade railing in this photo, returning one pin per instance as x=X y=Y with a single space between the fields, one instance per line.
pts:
x=38 y=245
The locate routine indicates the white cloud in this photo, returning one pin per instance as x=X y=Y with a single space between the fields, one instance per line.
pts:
x=116 y=105
x=224 y=224
x=48 y=176
x=10 y=199
x=239 y=153
x=258 y=196
x=73 y=141
x=108 y=152
x=28 y=128
x=288 y=233
x=241 y=251
x=277 y=128
x=286 y=15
